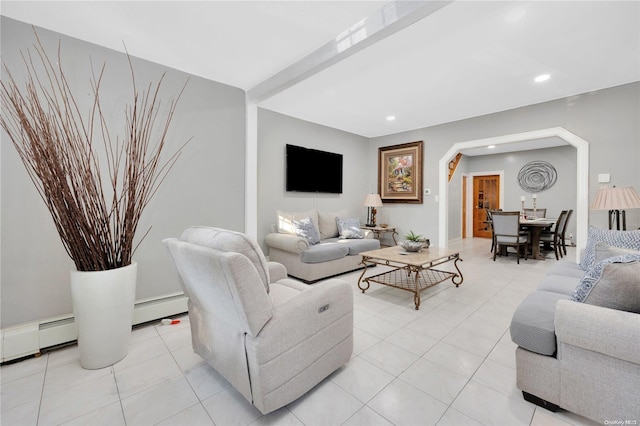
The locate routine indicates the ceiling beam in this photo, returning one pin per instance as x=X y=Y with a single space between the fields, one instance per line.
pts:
x=391 y=18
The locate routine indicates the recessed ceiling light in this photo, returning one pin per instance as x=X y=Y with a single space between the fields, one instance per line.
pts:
x=491 y=146
x=541 y=78
x=391 y=117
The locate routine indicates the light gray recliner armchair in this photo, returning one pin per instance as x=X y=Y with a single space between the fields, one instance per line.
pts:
x=273 y=338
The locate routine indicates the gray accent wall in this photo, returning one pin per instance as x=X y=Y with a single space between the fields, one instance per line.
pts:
x=274 y=132
x=206 y=187
x=607 y=119
x=561 y=196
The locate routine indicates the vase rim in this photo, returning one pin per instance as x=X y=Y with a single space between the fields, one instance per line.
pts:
x=131 y=265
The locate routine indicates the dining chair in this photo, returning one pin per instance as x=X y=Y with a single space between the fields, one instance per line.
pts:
x=564 y=230
x=554 y=238
x=506 y=228
x=490 y=220
x=535 y=213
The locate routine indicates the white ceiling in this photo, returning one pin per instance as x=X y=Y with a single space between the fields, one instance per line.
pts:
x=468 y=58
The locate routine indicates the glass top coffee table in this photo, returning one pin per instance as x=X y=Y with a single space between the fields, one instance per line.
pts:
x=412 y=271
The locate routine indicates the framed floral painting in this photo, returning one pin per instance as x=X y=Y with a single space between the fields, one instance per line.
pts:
x=400 y=173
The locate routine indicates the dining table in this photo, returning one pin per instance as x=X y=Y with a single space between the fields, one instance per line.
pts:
x=535 y=226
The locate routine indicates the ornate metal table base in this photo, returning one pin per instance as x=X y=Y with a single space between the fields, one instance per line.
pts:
x=414 y=275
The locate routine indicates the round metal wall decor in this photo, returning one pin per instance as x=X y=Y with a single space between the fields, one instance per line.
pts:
x=537 y=176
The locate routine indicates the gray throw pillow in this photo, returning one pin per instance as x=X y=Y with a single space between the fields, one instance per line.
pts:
x=305 y=228
x=621 y=239
x=612 y=283
x=349 y=228
x=604 y=251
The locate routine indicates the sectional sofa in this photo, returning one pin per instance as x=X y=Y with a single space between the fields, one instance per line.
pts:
x=578 y=335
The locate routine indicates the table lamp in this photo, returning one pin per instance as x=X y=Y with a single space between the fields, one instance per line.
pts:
x=616 y=200
x=372 y=201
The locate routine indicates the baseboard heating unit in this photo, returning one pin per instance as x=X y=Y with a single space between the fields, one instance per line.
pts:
x=27 y=339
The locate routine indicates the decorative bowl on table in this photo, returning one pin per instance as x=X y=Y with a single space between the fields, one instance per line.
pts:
x=412 y=246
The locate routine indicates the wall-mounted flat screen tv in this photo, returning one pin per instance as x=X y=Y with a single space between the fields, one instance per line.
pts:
x=311 y=170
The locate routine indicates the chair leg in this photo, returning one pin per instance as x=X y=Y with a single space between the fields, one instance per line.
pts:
x=495 y=251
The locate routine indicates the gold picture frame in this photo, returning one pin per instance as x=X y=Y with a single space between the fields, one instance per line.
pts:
x=400 y=173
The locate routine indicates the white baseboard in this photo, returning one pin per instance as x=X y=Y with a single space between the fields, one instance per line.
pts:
x=27 y=339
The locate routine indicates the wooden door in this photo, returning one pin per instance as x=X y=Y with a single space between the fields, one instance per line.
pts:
x=486 y=195
x=464 y=207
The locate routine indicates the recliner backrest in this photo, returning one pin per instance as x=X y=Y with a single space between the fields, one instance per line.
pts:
x=230 y=241
x=224 y=285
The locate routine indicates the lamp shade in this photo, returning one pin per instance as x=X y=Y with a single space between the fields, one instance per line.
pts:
x=616 y=198
x=372 y=200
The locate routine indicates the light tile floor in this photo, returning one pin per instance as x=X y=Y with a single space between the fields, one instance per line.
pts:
x=450 y=363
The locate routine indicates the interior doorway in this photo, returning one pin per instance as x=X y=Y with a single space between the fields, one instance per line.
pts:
x=486 y=196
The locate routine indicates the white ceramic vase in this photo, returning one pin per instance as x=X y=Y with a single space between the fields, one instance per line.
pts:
x=103 y=309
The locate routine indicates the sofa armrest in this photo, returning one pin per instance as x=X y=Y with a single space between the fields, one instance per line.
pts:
x=302 y=316
x=594 y=328
x=286 y=242
x=277 y=271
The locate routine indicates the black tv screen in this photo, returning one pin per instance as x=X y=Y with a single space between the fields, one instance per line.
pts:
x=311 y=170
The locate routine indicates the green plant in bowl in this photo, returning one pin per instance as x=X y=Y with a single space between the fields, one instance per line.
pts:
x=412 y=242
x=411 y=236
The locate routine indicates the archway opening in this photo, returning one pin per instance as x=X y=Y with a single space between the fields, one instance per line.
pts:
x=582 y=177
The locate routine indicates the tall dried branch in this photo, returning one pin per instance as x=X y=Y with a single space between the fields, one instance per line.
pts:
x=96 y=220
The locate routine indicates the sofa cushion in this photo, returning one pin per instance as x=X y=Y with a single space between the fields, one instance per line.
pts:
x=349 y=228
x=304 y=228
x=285 y=220
x=557 y=283
x=566 y=268
x=281 y=293
x=328 y=225
x=532 y=326
x=622 y=239
x=324 y=252
x=358 y=246
x=612 y=283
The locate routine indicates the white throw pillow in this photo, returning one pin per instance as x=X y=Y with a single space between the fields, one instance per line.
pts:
x=349 y=228
x=285 y=220
x=304 y=228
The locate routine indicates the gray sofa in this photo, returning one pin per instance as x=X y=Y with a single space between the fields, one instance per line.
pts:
x=583 y=357
x=312 y=262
